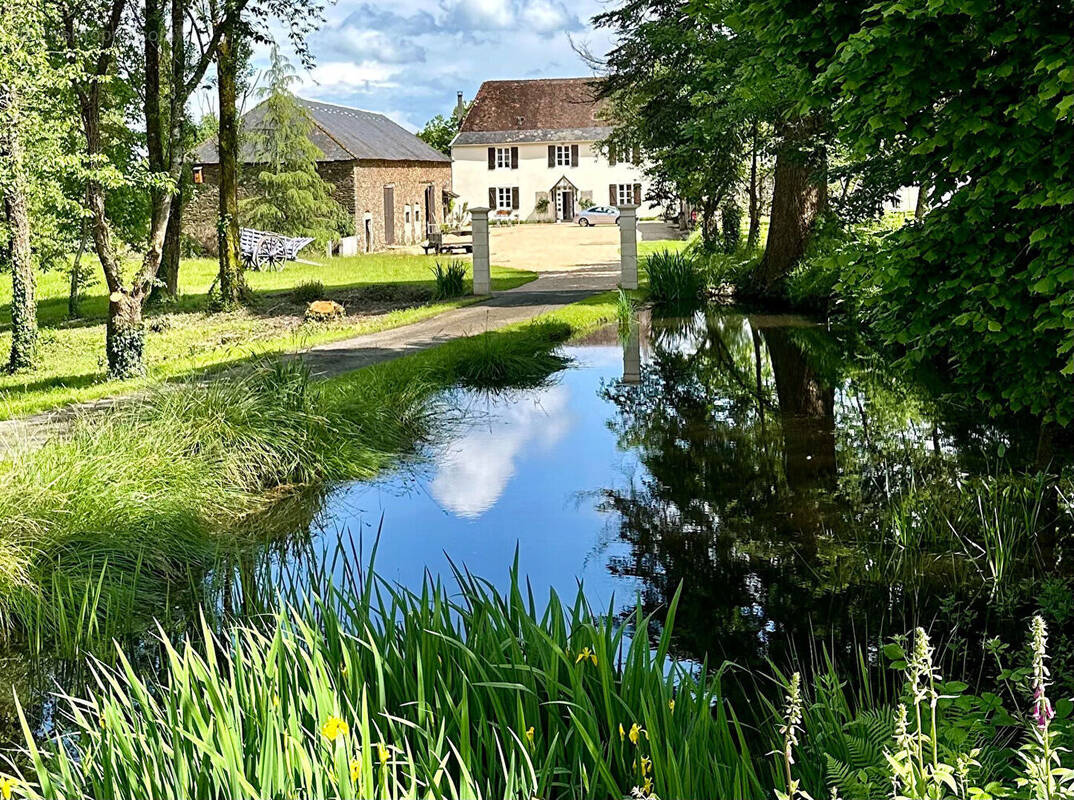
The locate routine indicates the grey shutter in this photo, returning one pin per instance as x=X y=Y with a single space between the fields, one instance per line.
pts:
x=611 y=155
x=551 y=155
x=635 y=155
x=492 y=158
x=514 y=198
x=492 y=197
x=514 y=158
x=637 y=194
x=574 y=155
x=612 y=199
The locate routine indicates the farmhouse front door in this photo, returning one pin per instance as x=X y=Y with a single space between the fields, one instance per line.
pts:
x=389 y=215
x=565 y=205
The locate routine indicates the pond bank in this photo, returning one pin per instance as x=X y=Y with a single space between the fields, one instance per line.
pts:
x=548 y=292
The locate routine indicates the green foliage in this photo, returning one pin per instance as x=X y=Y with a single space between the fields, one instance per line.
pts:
x=674 y=80
x=985 y=281
x=440 y=130
x=674 y=277
x=450 y=279
x=291 y=197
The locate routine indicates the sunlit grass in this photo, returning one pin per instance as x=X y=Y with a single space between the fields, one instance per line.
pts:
x=183 y=339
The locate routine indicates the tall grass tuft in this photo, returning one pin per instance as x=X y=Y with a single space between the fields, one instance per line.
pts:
x=450 y=279
x=157 y=487
x=367 y=690
x=675 y=278
x=519 y=359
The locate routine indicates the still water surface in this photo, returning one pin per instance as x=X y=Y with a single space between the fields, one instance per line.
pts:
x=801 y=496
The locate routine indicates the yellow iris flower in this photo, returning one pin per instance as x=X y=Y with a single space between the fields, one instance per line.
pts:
x=587 y=653
x=530 y=734
x=6 y=786
x=356 y=769
x=382 y=753
x=334 y=727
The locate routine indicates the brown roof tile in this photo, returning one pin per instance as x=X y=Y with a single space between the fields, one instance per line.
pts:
x=543 y=104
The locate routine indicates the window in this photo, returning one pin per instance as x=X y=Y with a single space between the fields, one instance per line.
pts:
x=503 y=198
x=563 y=155
x=406 y=213
x=503 y=158
x=624 y=194
x=199 y=175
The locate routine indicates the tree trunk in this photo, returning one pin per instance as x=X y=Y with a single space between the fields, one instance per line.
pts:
x=74 y=299
x=754 y=236
x=230 y=280
x=125 y=336
x=24 y=337
x=922 y=206
x=167 y=287
x=799 y=196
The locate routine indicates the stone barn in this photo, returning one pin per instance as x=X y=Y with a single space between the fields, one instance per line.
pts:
x=396 y=186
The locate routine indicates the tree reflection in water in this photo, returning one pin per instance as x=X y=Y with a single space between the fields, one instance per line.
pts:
x=802 y=498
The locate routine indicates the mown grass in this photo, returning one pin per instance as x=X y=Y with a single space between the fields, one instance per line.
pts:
x=183 y=339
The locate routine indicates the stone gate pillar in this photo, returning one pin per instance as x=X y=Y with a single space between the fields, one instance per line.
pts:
x=482 y=274
x=628 y=247
x=632 y=354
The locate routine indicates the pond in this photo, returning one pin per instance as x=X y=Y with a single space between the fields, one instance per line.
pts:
x=801 y=494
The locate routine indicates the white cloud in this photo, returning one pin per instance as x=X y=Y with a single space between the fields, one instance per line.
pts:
x=472 y=474
x=334 y=76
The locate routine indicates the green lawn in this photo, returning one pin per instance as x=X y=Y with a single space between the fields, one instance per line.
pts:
x=380 y=291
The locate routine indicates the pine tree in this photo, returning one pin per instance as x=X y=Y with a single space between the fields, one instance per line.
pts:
x=291 y=197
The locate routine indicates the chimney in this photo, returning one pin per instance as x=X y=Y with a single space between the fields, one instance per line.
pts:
x=460 y=106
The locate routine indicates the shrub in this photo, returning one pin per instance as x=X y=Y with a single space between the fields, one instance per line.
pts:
x=674 y=277
x=308 y=291
x=450 y=279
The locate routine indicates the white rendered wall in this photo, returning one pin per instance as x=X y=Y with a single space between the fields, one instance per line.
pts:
x=471 y=177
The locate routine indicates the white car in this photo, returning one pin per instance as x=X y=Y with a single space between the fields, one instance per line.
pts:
x=598 y=215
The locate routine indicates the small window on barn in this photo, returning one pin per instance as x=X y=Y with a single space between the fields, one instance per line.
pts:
x=503 y=158
x=406 y=214
x=199 y=175
x=563 y=155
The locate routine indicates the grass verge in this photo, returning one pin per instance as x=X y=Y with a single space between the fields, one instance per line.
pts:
x=380 y=292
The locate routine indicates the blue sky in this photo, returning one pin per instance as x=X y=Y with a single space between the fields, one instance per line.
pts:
x=408 y=58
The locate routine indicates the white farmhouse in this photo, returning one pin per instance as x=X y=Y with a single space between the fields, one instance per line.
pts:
x=527 y=149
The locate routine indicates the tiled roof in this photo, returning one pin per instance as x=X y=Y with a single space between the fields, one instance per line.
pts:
x=342 y=134
x=596 y=133
x=535 y=105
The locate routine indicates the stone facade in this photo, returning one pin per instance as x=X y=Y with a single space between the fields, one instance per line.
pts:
x=409 y=181
x=359 y=187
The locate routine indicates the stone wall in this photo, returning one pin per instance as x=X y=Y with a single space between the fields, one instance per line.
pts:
x=357 y=186
x=409 y=179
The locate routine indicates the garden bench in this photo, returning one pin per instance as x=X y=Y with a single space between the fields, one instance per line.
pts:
x=266 y=250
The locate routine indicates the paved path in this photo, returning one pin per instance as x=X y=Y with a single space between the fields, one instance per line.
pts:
x=551 y=290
